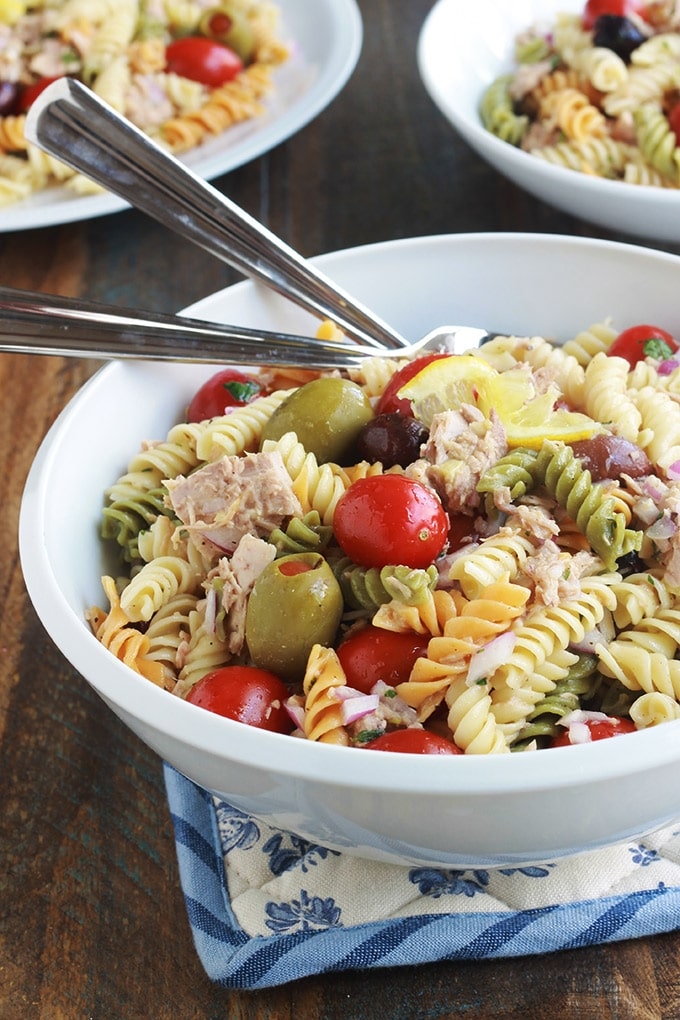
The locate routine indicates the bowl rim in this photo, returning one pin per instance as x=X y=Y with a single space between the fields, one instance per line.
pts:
x=327 y=765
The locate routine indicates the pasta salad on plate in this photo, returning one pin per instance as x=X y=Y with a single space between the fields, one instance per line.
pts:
x=597 y=91
x=183 y=72
x=460 y=554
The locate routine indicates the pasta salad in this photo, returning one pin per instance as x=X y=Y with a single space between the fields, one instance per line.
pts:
x=180 y=71
x=597 y=92
x=472 y=553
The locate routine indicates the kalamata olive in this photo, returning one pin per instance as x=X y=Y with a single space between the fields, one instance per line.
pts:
x=327 y=416
x=392 y=439
x=229 y=26
x=9 y=92
x=608 y=456
x=617 y=34
x=296 y=602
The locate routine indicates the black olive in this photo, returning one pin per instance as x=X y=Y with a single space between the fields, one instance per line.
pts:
x=392 y=439
x=617 y=34
x=9 y=91
x=630 y=564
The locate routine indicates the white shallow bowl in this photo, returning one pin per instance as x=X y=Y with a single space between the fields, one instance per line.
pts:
x=462 y=48
x=464 y=811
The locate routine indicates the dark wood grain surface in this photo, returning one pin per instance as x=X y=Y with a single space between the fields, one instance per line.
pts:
x=92 y=920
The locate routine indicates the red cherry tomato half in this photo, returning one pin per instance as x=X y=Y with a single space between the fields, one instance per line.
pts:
x=389 y=401
x=202 y=60
x=228 y=388
x=600 y=729
x=623 y=8
x=31 y=92
x=643 y=341
x=374 y=654
x=390 y=519
x=413 y=742
x=252 y=696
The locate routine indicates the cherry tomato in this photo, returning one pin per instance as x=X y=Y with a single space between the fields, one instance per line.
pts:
x=390 y=519
x=600 y=729
x=389 y=401
x=643 y=341
x=674 y=121
x=31 y=92
x=374 y=654
x=413 y=742
x=202 y=60
x=228 y=388
x=248 y=695
x=623 y=8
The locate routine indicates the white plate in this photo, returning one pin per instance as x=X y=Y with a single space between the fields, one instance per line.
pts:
x=326 y=38
x=462 y=48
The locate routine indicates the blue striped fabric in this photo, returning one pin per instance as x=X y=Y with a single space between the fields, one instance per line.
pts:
x=282 y=951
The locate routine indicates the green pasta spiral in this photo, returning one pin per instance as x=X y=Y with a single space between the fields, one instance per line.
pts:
x=594 y=513
x=302 y=534
x=497 y=112
x=367 y=588
x=514 y=471
x=125 y=517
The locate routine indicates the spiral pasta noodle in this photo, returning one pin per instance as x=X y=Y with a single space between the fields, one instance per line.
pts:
x=323 y=712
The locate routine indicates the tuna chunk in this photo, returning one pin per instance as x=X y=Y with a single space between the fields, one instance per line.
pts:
x=235 y=496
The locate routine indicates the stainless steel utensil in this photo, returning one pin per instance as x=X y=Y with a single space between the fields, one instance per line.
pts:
x=45 y=324
x=72 y=124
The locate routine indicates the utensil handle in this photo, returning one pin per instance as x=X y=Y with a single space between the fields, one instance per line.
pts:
x=33 y=323
x=71 y=123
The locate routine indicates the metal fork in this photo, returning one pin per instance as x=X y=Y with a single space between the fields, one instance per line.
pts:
x=33 y=323
x=72 y=124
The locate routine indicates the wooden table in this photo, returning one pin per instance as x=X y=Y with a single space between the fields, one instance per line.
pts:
x=92 y=919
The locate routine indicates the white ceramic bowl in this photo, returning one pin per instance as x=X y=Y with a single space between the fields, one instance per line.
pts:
x=462 y=811
x=462 y=48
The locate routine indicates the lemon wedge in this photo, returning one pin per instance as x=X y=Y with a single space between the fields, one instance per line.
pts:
x=528 y=418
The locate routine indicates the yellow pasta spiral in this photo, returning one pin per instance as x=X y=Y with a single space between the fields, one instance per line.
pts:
x=115 y=632
x=323 y=711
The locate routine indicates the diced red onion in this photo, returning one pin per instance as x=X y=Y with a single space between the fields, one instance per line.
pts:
x=210 y=610
x=654 y=488
x=667 y=366
x=488 y=659
x=296 y=711
x=662 y=529
x=577 y=724
x=579 y=733
x=217 y=539
x=673 y=471
x=357 y=708
x=345 y=693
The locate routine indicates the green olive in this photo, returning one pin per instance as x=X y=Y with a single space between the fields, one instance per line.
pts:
x=230 y=27
x=327 y=416
x=295 y=603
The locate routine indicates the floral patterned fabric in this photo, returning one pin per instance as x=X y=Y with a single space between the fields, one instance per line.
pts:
x=267 y=907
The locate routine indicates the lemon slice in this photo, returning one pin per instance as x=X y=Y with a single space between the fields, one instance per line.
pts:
x=528 y=418
x=446 y=383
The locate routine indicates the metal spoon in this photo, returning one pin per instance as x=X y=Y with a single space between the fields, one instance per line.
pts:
x=32 y=323
x=72 y=124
